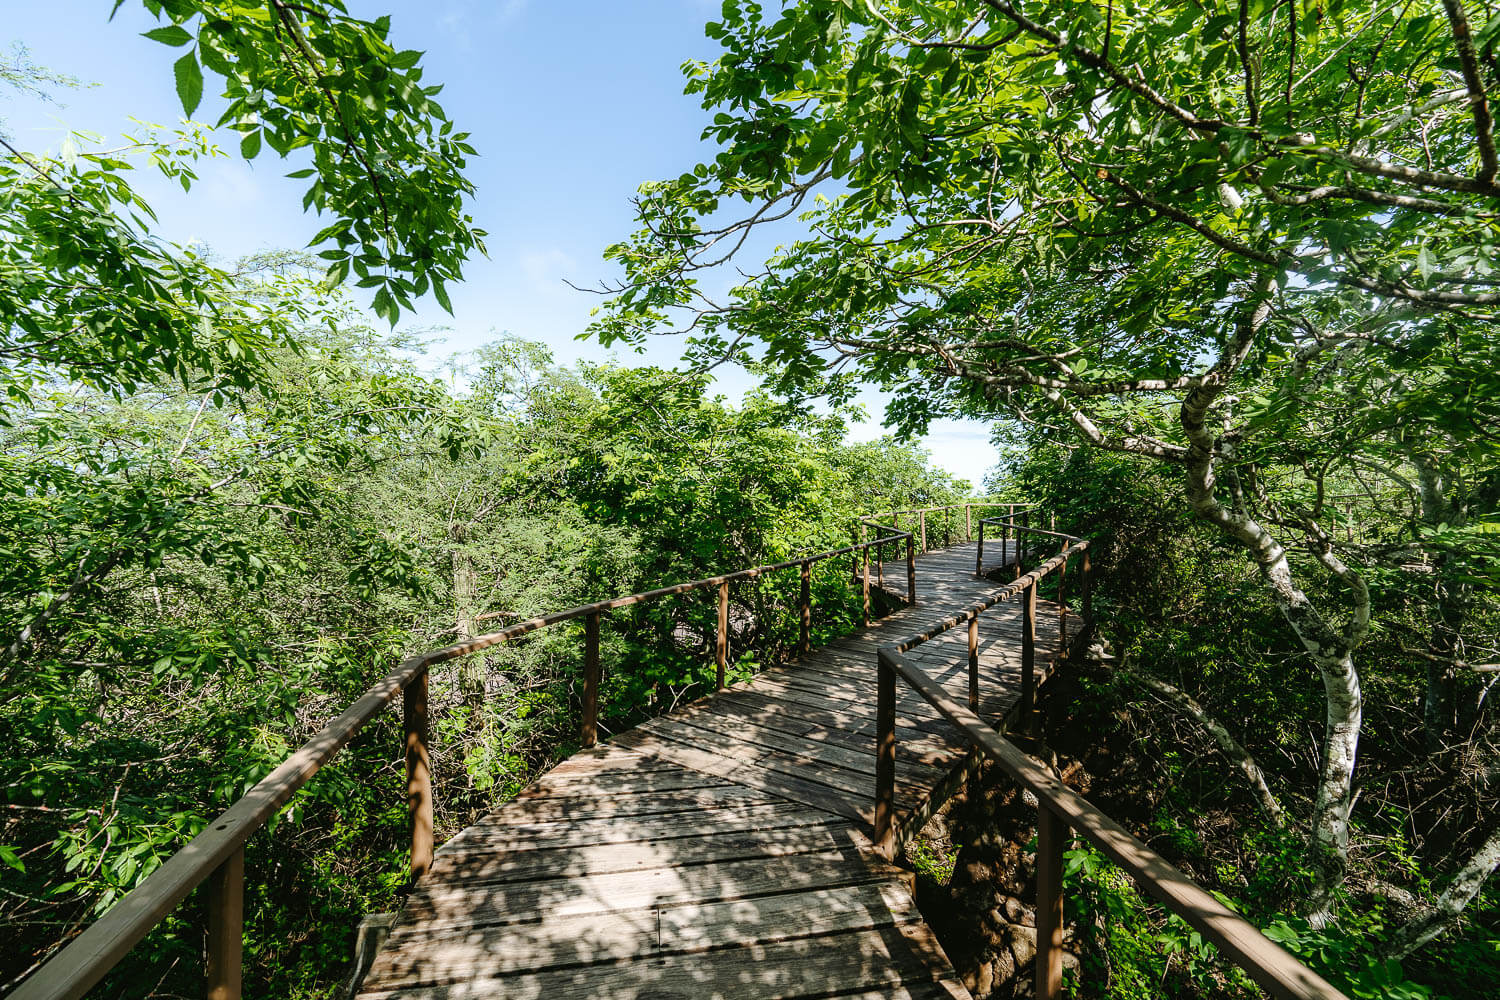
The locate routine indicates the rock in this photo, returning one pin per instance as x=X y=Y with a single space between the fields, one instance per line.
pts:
x=1022 y=943
x=998 y=970
x=1015 y=913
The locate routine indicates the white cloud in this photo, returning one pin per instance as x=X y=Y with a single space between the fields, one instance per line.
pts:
x=545 y=269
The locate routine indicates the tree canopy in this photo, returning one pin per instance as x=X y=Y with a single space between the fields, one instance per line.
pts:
x=1252 y=242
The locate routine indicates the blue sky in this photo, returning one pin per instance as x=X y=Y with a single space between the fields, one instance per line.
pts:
x=571 y=106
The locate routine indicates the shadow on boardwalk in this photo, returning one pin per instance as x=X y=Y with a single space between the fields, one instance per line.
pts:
x=722 y=850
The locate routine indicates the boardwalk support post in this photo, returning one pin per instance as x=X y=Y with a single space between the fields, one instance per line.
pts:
x=974 y=662
x=804 y=643
x=1051 y=838
x=865 y=589
x=1088 y=590
x=968 y=523
x=1062 y=605
x=418 y=774
x=979 y=553
x=590 y=734
x=1010 y=523
x=721 y=640
x=911 y=573
x=1028 y=653
x=226 y=927
x=922 y=527
x=885 y=759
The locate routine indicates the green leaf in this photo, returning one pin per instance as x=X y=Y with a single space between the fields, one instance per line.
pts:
x=172 y=34
x=11 y=858
x=250 y=145
x=189 y=79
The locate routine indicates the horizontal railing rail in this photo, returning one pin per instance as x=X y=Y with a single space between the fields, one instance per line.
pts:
x=216 y=856
x=1060 y=809
x=967 y=506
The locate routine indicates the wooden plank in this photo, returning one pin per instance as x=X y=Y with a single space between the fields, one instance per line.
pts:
x=708 y=792
x=501 y=836
x=818 y=796
x=923 y=747
x=805 y=967
x=861 y=724
x=908 y=716
x=474 y=869
x=854 y=783
x=413 y=956
x=858 y=758
x=665 y=780
x=446 y=907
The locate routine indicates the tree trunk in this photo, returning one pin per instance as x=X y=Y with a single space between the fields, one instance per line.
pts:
x=1331 y=649
x=1447 y=613
x=1450 y=905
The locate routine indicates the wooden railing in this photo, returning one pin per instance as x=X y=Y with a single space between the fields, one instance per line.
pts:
x=1061 y=811
x=216 y=856
x=950 y=534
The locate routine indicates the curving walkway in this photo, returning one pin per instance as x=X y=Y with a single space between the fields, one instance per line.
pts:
x=721 y=851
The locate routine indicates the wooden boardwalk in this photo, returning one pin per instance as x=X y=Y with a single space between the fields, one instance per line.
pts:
x=721 y=851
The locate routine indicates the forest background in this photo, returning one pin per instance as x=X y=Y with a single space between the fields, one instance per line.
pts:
x=1261 y=372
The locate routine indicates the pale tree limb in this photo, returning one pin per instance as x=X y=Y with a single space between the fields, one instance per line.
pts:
x=1222 y=737
x=1332 y=652
x=1450 y=905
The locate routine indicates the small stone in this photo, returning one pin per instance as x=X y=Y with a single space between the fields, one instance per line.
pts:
x=1022 y=943
x=1014 y=911
x=1001 y=968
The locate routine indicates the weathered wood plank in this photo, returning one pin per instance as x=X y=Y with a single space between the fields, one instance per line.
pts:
x=443 y=907
x=821 y=768
x=804 y=967
x=500 y=836
x=479 y=868
x=721 y=850
x=414 y=957
x=814 y=794
x=707 y=792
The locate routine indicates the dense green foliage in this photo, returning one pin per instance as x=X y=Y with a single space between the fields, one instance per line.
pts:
x=228 y=507
x=276 y=552
x=1250 y=246
x=1176 y=604
x=1222 y=276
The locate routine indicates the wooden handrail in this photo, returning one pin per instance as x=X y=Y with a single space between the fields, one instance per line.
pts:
x=1060 y=809
x=217 y=853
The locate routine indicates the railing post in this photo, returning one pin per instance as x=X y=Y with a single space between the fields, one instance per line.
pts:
x=854 y=537
x=911 y=573
x=922 y=527
x=880 y=561
x=226 y=927
x=418 y=774
x=1051 y=838
x=805 y=641
x=590 y=734
x=1062 y=605
x=721 y=640
x=885 y=759
x=974 y=662
x=865 y=587
x=1022 y=538
x=1006 y=527
x=968 y=522
x=979 y=553
x=1028 y=653
x=1088 y=589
